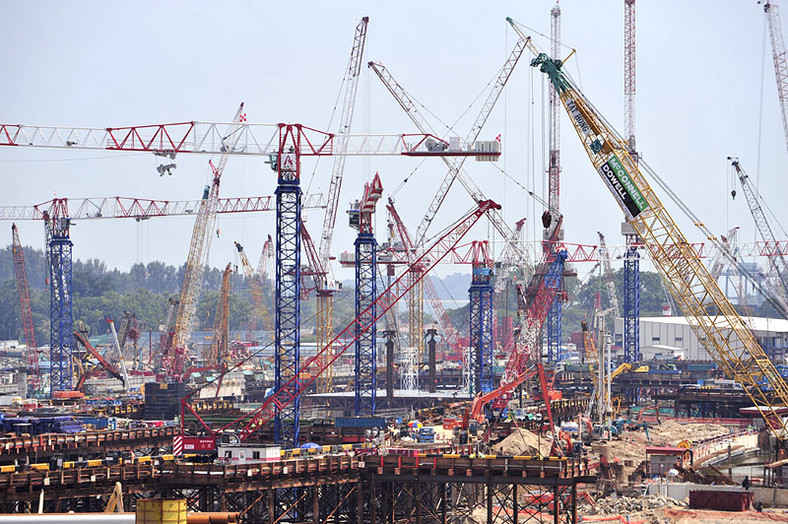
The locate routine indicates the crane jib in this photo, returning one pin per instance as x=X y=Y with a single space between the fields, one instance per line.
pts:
x=623 y=187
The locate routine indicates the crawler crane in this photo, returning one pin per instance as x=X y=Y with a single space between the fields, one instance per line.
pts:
x=718 y=326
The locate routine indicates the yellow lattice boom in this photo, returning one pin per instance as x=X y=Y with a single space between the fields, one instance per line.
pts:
x=718 y=326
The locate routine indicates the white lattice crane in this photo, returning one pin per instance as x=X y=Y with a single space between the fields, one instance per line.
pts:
x=780 y=60
x=607 y=273
x=199 y=250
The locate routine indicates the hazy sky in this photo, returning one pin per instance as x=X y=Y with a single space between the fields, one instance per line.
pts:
x=705 y=90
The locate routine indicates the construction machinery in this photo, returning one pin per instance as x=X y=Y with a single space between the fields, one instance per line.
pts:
x=320 y=261
x=777 y=261
x=289 y=393
x=220 y=342
x=101 y=364
x=779 y=58
x=361 y=219
x=31 y=351
x=260 y=315
x=176 y=356
x=719 y=328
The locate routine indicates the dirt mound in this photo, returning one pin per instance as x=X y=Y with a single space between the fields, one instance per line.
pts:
x=523 y=442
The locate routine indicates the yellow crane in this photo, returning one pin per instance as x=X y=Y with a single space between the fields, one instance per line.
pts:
x=175 y=356
x=220 y=345
x=260 y=315
x=717 y=325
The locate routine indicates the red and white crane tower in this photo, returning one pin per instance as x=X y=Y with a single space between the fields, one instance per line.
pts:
x=554 y=166
x=629 y=75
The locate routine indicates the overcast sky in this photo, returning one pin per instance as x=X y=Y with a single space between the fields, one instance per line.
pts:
x=705 y=90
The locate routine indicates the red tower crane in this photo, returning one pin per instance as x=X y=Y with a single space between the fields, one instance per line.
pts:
x=24 y=303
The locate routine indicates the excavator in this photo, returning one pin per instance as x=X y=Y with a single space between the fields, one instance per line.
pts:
x=476 y=414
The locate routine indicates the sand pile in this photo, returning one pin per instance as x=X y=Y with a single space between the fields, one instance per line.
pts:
x=523 y=442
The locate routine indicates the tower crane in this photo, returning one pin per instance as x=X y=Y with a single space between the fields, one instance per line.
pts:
x=260 y=315
x=480 y=297
x=360 y=217
x=777 y=262
x=284 y=149
x=607 y=272
x=722 y=332
x=288 y=393
x=31 y=352
x=779 y=58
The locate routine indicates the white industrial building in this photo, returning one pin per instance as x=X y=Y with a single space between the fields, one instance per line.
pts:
x=667 y=338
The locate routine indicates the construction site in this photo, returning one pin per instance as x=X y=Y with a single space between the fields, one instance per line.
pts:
x=305 y=356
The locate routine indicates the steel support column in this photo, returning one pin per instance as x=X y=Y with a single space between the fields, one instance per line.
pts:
x=61 y=318
x=631 y=305
x=366 y=333
x=288 y=302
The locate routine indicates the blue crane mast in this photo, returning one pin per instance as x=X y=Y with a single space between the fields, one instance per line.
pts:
x=481 y=320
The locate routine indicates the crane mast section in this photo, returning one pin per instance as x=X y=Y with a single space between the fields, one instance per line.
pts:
x=554 y=166
x=629 y=73
x=718 y=326
x=349 y=103
x=780 y=60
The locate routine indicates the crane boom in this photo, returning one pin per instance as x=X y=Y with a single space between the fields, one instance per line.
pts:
x=777 y=262
x=199 y=250
x=24 y=303
x=447 y=327
x=719 y=260
x=780 y=60
x=604 y=257
x=314 y=366
x=144 y=208
x=207 y=138
x=455 y=165
x=260 y=312
x=718 y=326
x=352 y=76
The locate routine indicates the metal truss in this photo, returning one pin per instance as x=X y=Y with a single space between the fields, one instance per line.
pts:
x=288 y=305
x=555 y=314
x=632 y=306
x=366 y=293
x=481 y=317
x=60 y=312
